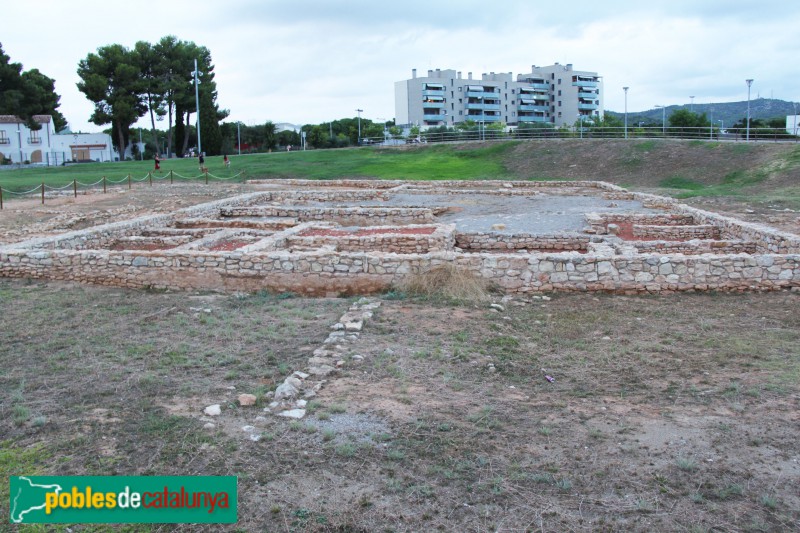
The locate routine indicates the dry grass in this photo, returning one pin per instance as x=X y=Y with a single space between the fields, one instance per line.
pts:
x=448 y=283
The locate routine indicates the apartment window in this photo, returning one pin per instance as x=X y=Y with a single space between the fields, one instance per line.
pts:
x=452 y=95
x=3 y=138
x=559 y=81
x=459 y=101
x=452 y=106
x=559 y=114
x=559 y=103
x=513 y=113
x=460 y=112
x=512 y=102
x=512 y=91
x=459 y=89
x=559 y=92
x=506 y=107
x=506 y=85
x=34 y=138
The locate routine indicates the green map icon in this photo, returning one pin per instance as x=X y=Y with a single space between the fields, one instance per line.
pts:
x=27 y=499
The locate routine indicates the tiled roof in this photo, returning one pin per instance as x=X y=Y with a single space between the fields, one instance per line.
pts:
x=11 y=119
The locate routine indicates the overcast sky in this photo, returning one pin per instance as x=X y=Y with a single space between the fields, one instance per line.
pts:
x=311 y=61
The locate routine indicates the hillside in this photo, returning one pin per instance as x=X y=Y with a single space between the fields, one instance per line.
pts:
x=728 y=112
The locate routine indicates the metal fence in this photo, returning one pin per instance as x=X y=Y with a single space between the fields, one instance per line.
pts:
x=708 y=134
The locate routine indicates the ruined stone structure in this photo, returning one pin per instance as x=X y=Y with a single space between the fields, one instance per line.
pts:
x=361 y=236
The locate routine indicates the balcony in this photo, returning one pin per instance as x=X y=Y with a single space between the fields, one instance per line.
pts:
x=484 y=107
x=588 y=95
x=432 y=117
x=589 y=107
x=434 y=105
x=545 y=86
x=433 y=92
x=483 y=118
x=483 y=94
x=585 y=83
x=530 y=107
x=525 y=118
x=34 y=140
x=5 y=140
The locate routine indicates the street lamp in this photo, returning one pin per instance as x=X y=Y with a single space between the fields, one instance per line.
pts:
x=663 y=119
x=239 y=136
x=711 y=123
x=749 y=83
x=197 y=104
x=794 y=104
x=626 y=110
x=721 y=128
x=691 y=104
x=359 y=125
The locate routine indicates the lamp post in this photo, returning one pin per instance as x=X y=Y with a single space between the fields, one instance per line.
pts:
x=663 y=119
x=141 y=152
x=691 y=104
x=721 y=128
x=197 y=104
x=749 y=83
x=794 y=104
x=19 y=134
x=626 y=110
x=359 y=111
x=711 y=123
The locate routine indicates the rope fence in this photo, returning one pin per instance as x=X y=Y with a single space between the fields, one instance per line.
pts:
x=42 y=189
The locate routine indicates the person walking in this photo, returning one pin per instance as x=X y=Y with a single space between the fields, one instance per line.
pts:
x=202 y=161
x=158 y=162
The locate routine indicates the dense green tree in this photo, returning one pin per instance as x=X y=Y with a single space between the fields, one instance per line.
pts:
x=111 y=79
x=29 y=93
x=151 y=66
x=270 y=135
x=685 y=123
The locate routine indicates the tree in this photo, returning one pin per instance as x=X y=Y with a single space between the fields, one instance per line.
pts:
x=270 y=135
x=685 y=123
x=29 y=93
x=111 y=79
x=154 y=83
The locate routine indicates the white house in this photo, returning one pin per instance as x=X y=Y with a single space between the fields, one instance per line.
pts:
x=20 y=144
x=792 y=124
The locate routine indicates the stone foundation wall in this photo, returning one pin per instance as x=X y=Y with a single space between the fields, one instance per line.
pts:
x=694 y=247
x=346 y=216
x=520 y=241
x=676 y=233
x=442 y=239
x=326 y=272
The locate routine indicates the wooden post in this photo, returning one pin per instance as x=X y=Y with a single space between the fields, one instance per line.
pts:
x=1 y=198
x=129 y=181
x=170 y=177
x=42 y=193
x=104 y=184
x=75 y=187
x=206 y=173
x=150 y=178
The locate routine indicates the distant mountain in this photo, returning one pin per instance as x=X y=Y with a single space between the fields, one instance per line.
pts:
x=729 y=112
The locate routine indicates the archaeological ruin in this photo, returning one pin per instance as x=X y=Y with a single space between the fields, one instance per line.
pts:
x=361 y=236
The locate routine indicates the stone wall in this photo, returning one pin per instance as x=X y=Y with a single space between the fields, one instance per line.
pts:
x=694 y=247
x=346 y=216
x=520 y=241
x=327 y=272
x=676 y=233
x=383 y=239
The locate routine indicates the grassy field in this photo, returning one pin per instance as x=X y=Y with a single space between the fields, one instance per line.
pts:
x=685 y=169
x=658 y=419
x=436 y=162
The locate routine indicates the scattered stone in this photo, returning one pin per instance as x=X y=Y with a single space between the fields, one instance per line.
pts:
x=248 y=429
x=255 y=437
x=246 y=400
x=293 y=413
x=546 y=298
x=213 y=410
x=301 y=403
x=498 y=226
x=337 y=326
x=357 y=357
x=606 y=338
x=497 y=307
x=209 y=425
x=286 y=391
x=300 y=375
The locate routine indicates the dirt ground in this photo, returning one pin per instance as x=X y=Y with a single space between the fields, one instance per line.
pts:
x=673 y=413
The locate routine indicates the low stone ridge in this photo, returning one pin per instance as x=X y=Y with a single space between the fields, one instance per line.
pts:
x=307 y=237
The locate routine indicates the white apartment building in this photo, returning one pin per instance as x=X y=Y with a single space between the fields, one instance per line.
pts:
x=20 y=144
x=556 y=95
